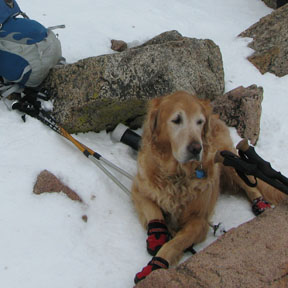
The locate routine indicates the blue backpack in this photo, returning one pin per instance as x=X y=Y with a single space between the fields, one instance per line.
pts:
x=28 y=50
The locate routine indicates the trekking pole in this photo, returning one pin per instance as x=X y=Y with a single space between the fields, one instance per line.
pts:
x=248 y=152
x=250 y=163
x=96 y=158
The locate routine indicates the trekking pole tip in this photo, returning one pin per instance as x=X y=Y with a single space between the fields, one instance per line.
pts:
x=243 y=145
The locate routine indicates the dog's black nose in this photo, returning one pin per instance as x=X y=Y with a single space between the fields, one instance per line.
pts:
x=194 y=148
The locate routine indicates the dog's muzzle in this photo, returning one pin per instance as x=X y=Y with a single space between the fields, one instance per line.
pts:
x=194 y=150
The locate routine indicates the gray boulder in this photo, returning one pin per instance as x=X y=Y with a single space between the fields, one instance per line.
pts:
x=99 y=92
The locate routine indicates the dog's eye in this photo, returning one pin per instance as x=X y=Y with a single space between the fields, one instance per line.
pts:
x=178 y=120
x=200 y=122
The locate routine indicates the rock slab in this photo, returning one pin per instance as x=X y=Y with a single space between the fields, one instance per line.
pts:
x=241 y=108
x=275 y=3
x=270 y=36
x=253 y=255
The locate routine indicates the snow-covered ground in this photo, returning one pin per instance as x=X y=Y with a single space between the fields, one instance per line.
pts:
x=44 y=242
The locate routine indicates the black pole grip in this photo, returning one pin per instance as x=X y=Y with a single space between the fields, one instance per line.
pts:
x=131 y=139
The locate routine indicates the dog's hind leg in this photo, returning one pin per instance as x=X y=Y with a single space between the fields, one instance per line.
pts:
x=257 y=195
x=234 y=182
x=270 y=193
x=231 y=180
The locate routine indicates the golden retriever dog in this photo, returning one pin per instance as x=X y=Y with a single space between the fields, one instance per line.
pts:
x=178 y=181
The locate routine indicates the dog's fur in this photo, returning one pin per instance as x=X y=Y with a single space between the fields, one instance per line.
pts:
x=181 y=135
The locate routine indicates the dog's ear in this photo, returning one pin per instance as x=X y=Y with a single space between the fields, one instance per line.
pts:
x=153 y=114
x=206 y=106
x=207 y=111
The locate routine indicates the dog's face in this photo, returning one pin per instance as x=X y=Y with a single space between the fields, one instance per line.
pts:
x=178 y=123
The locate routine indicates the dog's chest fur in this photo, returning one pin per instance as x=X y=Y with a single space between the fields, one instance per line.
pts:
x=181 y=195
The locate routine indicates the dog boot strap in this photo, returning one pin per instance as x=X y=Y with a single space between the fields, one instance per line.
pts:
x=154 y=264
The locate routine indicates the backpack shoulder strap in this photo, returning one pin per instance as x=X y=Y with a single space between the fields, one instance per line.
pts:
x=8 y=8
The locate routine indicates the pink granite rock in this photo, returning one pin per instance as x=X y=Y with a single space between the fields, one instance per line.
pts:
x=241 y=108
x=47 y=182
x=253 y=255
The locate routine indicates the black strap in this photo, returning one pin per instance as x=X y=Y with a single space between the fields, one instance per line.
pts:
x=30 y=103
x=251 y=164
x=264 y=166
x=244 y=177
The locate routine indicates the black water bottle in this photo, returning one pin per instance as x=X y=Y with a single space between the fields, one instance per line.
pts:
x=125 y=135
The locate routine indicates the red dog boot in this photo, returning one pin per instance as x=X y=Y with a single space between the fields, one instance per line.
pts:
x=260 y=205
x=154 y=264
x=158 y=235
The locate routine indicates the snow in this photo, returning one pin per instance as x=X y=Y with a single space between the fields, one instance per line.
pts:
x=44 y=241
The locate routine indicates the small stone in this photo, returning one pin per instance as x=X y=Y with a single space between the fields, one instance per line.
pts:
x=118 y=45
x=85 y=218
x=48 y=183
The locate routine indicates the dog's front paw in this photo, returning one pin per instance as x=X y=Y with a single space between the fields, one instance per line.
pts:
x=154 y=264
x=259 y=205
x=158 y=235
